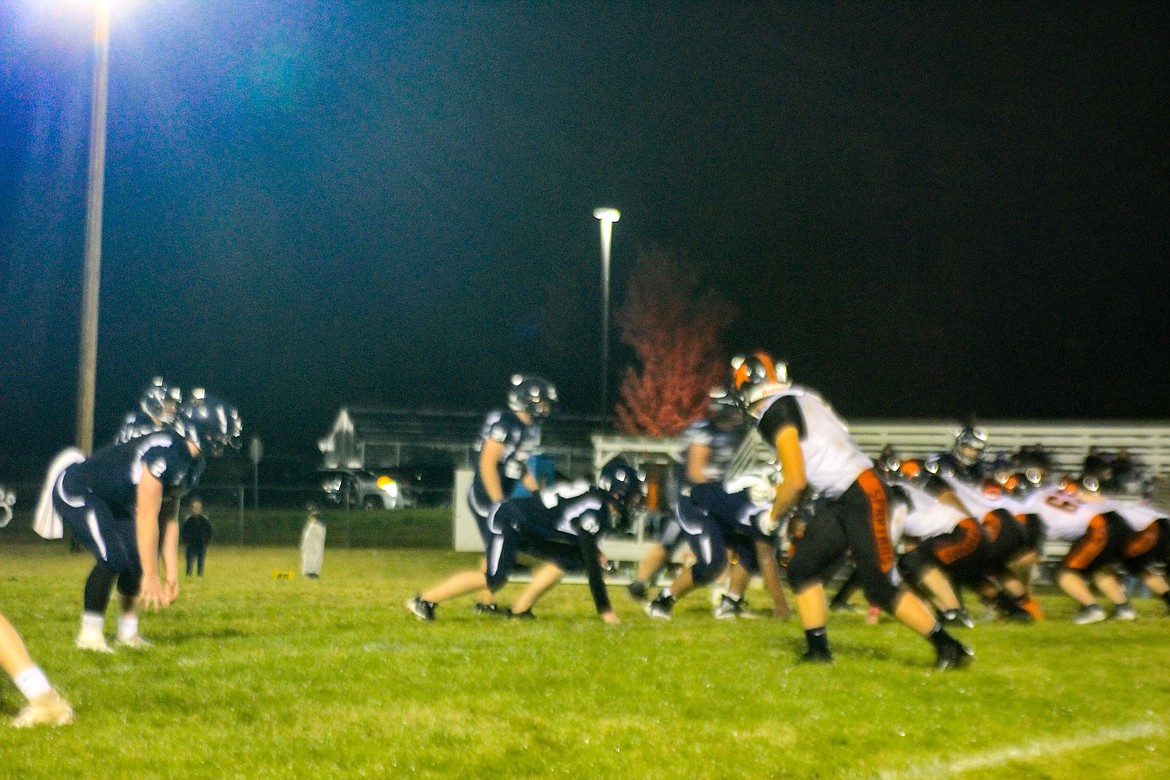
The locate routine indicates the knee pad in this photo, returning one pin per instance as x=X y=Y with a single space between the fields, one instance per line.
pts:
x=129 y=583
x=706 y=573
x=880 y=589
x=912 y=565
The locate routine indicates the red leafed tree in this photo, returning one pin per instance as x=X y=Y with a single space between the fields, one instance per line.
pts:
x=674 y=327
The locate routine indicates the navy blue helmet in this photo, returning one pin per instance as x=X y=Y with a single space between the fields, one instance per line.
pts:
x=161 y=400
x=210 y=423
x=533 y=395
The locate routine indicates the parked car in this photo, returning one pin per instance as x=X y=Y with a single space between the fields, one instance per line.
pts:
x=353 y=488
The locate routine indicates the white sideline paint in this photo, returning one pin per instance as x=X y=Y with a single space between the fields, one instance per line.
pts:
x=1029 y=751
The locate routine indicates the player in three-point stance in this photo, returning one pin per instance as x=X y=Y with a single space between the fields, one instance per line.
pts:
x=562 y=525
x=816 y=452
x=113 y=500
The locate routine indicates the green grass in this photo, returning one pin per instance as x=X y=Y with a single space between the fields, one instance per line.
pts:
x=253 y=677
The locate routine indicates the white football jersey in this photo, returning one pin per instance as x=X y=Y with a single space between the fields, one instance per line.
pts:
x=1065 y=516
x=1138 y=515
x=925 y=519
x=979 y=503
x=832 y=460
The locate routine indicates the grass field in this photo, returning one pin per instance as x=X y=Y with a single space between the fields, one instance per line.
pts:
x=253 y=676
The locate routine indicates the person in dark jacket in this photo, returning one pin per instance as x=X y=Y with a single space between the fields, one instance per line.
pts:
x=196 y=535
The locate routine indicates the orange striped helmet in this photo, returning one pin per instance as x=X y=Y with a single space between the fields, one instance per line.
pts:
x=757 y=375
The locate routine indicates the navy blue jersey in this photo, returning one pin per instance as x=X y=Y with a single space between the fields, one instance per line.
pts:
x=723 y=443
x=134 y=425
x=113 y=473
x=563 y=524
x=565 y=512
x=520 y=441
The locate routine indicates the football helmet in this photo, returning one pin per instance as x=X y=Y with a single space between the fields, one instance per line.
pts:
x=970 y=442
x=623 y=485
x=888 y=461
x=210 y=423
x=757 y=376
x=533 y=395
x=723 y=407
x=911 y=469
x=161 y=401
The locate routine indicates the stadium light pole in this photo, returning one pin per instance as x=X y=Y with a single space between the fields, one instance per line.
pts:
x=607 y=217
x=87 y=370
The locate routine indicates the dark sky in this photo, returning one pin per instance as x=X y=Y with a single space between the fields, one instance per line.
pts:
x=928 y=209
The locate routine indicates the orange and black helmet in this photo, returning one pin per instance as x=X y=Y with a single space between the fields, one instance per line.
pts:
x=757 y=374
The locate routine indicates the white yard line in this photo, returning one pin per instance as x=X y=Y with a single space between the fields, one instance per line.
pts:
x=1028 y=751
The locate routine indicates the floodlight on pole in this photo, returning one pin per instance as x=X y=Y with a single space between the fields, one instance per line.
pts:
x=87 y=368
x=607 y=217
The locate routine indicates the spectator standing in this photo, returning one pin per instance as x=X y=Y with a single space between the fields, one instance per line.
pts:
x=196 y=535
x=313 y=544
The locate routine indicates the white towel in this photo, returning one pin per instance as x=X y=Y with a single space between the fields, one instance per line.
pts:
x=46 y=521
x=7 y=499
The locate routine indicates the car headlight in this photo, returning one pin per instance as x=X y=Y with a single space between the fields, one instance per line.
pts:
x=388 y=486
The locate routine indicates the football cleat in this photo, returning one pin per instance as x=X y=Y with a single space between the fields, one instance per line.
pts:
x=1125 y=612
x=957 y=617
x=660 y=607
x=639 y=591
x=728 y=608
x=1090 y=614
x=525 y=615
x=953 y=655
x=135 y=642
x=423 y=610
x=481 y=608
x=812 y=656
x=48 y=709
x=93 y=640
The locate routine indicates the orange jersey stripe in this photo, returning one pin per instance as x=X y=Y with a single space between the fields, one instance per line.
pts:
x=1142 y=543
x=1088 y=547
x=964 y=545
x=880 y=517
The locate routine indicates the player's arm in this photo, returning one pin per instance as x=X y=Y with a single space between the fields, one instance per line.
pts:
x=169 y=518
x=698 y=456
x=590 y=553
x=770 y=572
x=489 y=473
x=529 y=481
x=149 y=504
x=791 y=458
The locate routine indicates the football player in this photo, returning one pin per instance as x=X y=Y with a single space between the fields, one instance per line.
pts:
x=112 y=502
x=46 y=707
x=508 y=439
x=966 y=459
x=1012 y=535
x=1147 y=546
x=941 y=543
x=816 y=452
x=1097 y=536
x=156 y=410
x=712 y=514
x=562 y=525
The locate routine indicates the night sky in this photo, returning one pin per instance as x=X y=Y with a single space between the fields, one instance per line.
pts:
x=929 y=210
